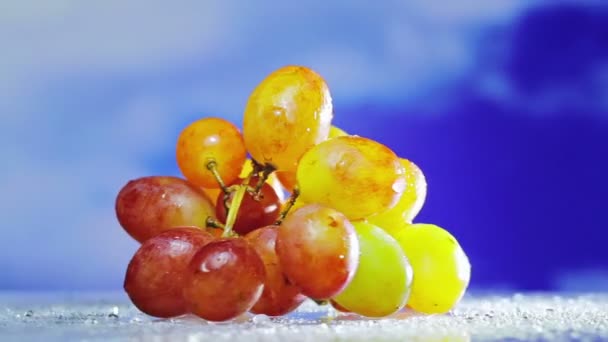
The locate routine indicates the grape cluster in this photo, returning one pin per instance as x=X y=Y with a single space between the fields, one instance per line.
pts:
x=225 y=240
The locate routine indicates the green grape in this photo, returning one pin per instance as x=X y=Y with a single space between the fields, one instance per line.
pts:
x=442 y=270
x=289 y=112
x=356 y=176
x=381 y=284
x=411 y=200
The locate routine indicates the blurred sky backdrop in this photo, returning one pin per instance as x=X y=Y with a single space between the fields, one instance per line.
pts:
x=503 y=104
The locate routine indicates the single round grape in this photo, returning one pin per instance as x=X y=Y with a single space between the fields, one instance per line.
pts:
x=210 y=139
x=287 y=179
x=381 y=285
x=224 y=279
x=409 y=204
x=357 y=176
x=155 y=275
x=318 y=250
x=254 y=212
x=149 y=205
x=442 y=269
x=287 y=113
x=279 y=296
x=336 y=132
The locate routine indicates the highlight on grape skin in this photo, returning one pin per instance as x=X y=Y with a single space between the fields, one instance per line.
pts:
x=210 y=140
x=410 y=203
x=287 y=113
x=442 y=269
x=147 y=206
x=383 y=269
x=318 y=250
x=355 y=175
x=279 y=296
x=344 y=236
x=255 y=211
x=224 y=279
x=155 y=275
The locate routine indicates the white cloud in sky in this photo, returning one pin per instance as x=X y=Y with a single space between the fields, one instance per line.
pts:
x=89 y=91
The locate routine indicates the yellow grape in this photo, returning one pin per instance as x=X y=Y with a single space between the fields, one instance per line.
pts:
x=212 y=193
x=210 y=139
x=357 y=176
x=336 y=132
x=442 y=270
x=289 y=112
x=381 y=284
x=411 y=200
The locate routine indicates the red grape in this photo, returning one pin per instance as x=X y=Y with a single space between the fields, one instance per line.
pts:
x=318 y=250
x=155 y=276
x=279 y=296
x=147 y=206
x=225 y=279
x=254 y=212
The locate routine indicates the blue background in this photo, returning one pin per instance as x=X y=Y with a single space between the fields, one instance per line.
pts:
x=503 y=104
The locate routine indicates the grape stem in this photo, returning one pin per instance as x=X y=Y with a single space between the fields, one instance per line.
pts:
x=267 y=169
x=292 y=201
x=212 y=166
x=234 y=209
x=213 y=223
x=235 y=205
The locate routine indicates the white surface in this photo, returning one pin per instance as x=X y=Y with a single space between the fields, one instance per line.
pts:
x=107 y=317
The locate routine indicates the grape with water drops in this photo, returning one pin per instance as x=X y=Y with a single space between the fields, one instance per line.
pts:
x=155 y=276
x=318 y=250
x=224 y=279
x=357 y=176
x=210 y=143
x=344 y=236
x=411 y=201
x=279 y=296
x=148 y=206
x=289 y=112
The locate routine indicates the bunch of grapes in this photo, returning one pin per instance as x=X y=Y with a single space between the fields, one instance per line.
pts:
x=225 y=240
